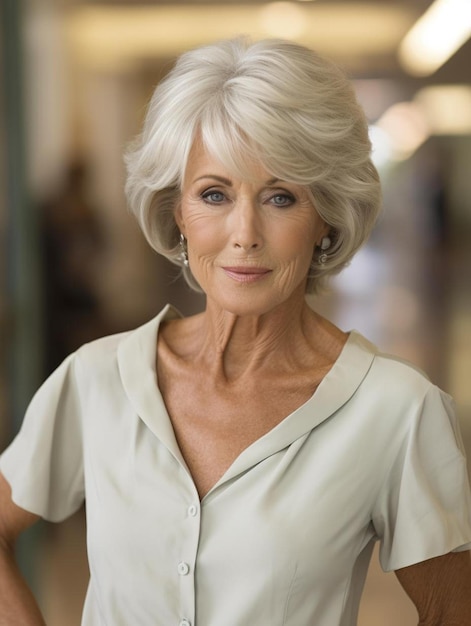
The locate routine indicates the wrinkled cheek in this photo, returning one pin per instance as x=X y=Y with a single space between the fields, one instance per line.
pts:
x=292 y=275
x=202 y=268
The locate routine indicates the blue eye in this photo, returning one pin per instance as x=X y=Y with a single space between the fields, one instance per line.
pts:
x=213 y=197
x=282 y=199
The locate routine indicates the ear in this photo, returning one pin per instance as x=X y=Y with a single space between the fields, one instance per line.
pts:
x=324 y=231
x=325 y=228
x=177 y=213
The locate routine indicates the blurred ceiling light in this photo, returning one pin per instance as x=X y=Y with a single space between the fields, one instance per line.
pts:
x=447 y=108
x=283 y=19
x=436 y=36
x=406 y=127
x=110 y=36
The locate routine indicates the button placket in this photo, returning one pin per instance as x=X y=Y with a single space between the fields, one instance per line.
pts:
x=189 y=541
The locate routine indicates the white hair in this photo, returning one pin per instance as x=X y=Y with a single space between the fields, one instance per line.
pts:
x=274 y=101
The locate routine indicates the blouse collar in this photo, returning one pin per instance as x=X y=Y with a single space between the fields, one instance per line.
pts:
x=137 y=366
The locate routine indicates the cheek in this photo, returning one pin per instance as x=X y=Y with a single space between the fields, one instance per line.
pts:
x=201 y=231
x=204 y=237
x=296 y=243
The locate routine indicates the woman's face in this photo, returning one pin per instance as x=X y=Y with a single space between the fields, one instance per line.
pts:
x=250 y=243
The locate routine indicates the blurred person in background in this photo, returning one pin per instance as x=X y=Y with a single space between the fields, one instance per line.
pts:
x=73 y=243
x=239 y=465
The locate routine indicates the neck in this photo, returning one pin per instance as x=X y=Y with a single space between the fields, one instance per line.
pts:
x=236 y=346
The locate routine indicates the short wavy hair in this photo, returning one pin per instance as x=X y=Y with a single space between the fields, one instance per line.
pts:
x=274 y=101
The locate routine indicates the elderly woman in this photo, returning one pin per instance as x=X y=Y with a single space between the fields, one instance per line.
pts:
x=239 y=465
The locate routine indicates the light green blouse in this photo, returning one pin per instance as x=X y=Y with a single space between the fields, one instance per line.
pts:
x=285 y=536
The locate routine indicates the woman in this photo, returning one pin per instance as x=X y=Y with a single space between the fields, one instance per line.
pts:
x=239 y=465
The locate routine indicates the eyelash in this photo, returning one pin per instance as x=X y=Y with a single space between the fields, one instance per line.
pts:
x=206 y=195
x=288 y=199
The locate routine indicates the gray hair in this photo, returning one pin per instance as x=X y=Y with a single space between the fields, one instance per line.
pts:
x=274 y=101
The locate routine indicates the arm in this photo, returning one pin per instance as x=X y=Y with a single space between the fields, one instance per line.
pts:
x=440 y=588
x=17 y=605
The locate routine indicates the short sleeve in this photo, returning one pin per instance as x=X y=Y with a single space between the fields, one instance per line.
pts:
x=44 y=463
x=424 y=507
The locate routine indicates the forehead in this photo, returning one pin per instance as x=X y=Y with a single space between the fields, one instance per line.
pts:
x=205 y=162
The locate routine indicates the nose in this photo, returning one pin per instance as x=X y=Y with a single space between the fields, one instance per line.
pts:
x=246 y=226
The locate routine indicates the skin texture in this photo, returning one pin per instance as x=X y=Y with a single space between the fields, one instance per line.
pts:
x=250 y=245
x=258 y=352
x=17 y=605
x=259 y=340
x=262 y=225
x=441 y=589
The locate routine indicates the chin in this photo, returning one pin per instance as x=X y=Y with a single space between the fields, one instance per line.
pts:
x=250 y=304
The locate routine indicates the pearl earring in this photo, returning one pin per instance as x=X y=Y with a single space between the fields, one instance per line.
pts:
x=325 y=245
x=183 y=251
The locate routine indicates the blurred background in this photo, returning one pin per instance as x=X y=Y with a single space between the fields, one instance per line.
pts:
x=75 y=77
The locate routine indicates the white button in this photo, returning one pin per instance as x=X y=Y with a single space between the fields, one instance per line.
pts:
x=183 y=568
x=184 y=622
x=192 y=510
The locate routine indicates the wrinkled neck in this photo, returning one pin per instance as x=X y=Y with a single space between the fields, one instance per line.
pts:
x=238 y=346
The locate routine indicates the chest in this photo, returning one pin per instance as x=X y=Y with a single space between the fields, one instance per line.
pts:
x=283 y=532
x=214 y=425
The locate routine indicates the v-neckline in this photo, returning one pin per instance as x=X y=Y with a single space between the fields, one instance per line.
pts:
x=137 y=359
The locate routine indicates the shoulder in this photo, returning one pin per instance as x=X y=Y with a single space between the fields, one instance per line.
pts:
x=396 y=382
x=101 y=359
x=102 y=349
x=123 y=357
x=400 y=374
x=97 y=357
x=106 y=350
x=397 y=370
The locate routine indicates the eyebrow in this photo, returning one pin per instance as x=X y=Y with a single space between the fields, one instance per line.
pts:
x=228 y=182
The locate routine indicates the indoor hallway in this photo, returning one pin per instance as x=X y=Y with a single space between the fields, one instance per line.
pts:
x=77 y=75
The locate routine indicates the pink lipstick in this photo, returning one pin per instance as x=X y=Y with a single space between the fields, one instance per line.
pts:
x=245 y=274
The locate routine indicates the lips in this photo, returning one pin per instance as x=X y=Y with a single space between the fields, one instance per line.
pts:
x=246 y=274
